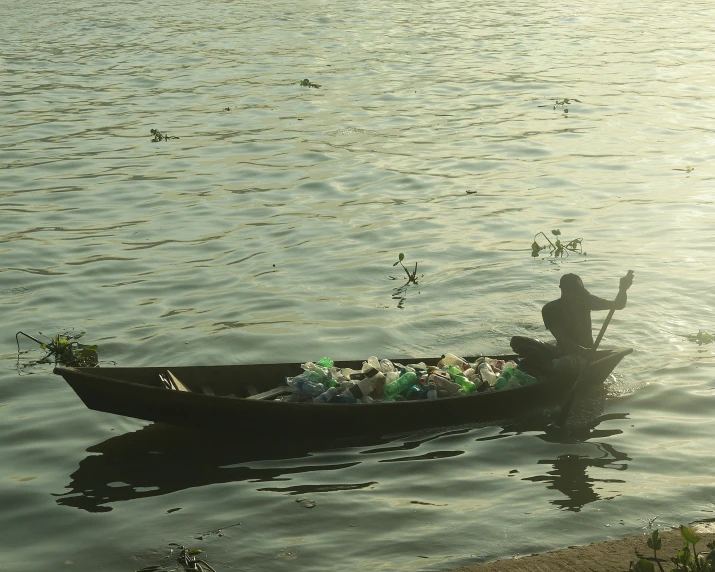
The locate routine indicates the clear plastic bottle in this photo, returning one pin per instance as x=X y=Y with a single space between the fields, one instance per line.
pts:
x=451 y=359
x=391 y=376
x=314 y=372
x=487 y=373
x=310 y=388
x=372 y=362
x=396 y=387
x=326 y=396
x=378 y=383
x=361 y=388
x=445 y=383
x=386 y=365
x=431 y=391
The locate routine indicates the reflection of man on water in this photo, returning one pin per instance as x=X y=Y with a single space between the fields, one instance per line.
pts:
x=570 y=475
x=569 y=320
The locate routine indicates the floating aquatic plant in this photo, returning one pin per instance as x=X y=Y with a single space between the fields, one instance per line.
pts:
x=701 y=338
x=557 y=247
x=400 y=293
x=563 y=103
x=411 y=276
x=159 y=136
x=187 y=559
x=307 y=83
x=64 y=349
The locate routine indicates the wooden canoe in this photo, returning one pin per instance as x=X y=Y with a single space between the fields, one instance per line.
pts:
x=228 y=397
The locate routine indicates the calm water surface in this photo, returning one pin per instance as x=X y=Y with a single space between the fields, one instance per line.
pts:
x=267 y=232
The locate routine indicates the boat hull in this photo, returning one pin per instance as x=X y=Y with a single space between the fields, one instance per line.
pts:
x=133 y=392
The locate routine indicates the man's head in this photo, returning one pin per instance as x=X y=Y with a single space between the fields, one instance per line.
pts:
x=572 y=286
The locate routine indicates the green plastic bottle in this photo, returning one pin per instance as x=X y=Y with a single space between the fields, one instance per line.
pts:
x=467 y=386
x=325 y=362
x=396 y=387
x=524 y=378
x=504 y=378
x=454 y=371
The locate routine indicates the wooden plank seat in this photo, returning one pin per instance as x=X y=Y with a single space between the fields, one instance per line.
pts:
x=275 y=392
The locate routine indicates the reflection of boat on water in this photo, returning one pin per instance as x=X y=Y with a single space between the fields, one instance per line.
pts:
x=159 y=459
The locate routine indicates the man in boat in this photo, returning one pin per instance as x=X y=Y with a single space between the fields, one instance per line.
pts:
x=569 y=320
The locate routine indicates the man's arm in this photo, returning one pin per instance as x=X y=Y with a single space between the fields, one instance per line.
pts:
x=596 y=303
x=619 y=303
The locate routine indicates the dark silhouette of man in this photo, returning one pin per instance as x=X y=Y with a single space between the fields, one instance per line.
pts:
x=569 y=320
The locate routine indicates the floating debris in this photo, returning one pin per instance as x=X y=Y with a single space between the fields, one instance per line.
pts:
x=701 y=338
x=306 y=503
x=64 y=349
x=187 y=559
x=556 y=248
x=159 y=136
x=307 y=83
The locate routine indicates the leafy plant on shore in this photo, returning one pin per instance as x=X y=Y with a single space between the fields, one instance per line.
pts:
x=159 y=136
x=556 y=248
x=64 y=349
x=687 y=559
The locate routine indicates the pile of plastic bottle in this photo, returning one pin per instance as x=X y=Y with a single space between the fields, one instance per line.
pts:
x=382 y=380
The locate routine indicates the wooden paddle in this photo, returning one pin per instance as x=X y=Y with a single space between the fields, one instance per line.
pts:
x=566 y=408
